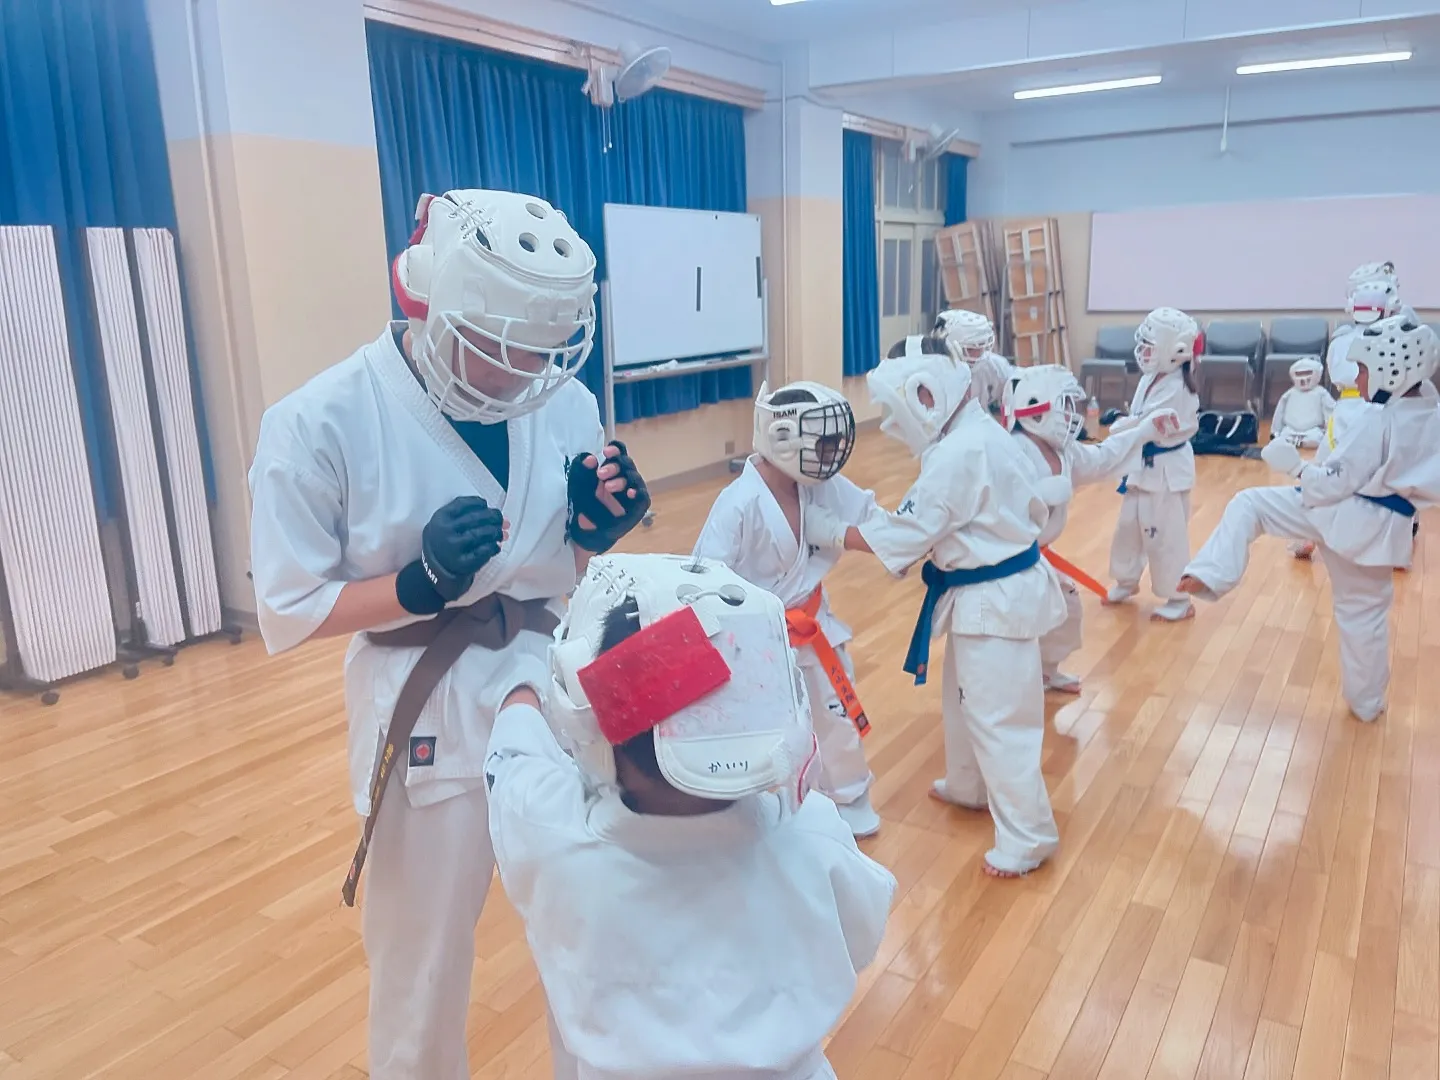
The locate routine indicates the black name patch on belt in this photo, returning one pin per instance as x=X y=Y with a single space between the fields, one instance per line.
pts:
x=422 y=751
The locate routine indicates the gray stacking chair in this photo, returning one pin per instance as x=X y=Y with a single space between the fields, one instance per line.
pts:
x=1290 y=340
x=1113 y=365
x=1234 y=353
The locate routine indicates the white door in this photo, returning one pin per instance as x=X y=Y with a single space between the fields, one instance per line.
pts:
x=899 y=306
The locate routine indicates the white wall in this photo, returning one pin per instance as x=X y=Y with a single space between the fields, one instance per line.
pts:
x=1297 y=140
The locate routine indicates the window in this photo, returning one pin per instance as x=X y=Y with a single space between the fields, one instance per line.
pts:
x=911 y=211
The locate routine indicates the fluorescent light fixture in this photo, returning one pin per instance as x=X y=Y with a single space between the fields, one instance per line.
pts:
x=1086 y=88
x=782 y=3
x=1327 y=62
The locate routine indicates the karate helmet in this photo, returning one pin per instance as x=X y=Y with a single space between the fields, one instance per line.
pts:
x=710 y=673
x=1374 y=293
x=499 y=290
x=809 y=435
x=1305 y=373
x=1048 y=402
x=968 y=335
x=1398 y=354
x=1167 y=340
x=895 y=387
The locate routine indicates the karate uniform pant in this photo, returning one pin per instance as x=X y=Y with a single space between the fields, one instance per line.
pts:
x=1154 y=528
x=994 y=715
x=1362 y=594
x=426 y=877
x=844 y=772
x=1059 y=643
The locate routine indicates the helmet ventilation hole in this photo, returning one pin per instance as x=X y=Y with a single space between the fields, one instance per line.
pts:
x=562 y=247
x=536 y=210
x=528 y=241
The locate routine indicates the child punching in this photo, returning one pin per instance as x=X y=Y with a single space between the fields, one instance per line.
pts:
x=804 y=433
x=975 y=512
x=1044 y=408
x=691 y=910
x=1154 y=520
x=1356 y=507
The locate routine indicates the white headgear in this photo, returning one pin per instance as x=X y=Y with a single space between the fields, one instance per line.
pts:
x=1374 y=293
x=895 y=387
x=1048 y=402
x=1305 y=373
x=495 y=272
x=989 y=376
x=968 y=335
x=1398 y=354
x=710 y=673
x=808 y=440
x=1167 y=340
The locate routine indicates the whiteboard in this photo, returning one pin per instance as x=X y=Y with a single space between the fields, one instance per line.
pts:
x=1281 y=255
x=682 y=284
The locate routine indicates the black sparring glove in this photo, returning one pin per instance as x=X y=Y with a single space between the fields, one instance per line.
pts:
x=459 y=540
x=1109 y=416
x=606 y=529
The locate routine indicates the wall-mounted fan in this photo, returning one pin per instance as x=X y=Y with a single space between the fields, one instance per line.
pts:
x=639 y=70
x=933 y=145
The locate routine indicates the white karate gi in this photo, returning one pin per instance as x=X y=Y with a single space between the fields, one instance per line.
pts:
x=719 y=947
x=1394 y=450
x=1302 y=415
x=349 y=470
x=1154 y=519
x=1348 y=412
x=1081 y=464
x=973 y=506
x=748 y=531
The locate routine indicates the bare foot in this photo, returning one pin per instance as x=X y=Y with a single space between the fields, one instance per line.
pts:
x=1305 y=551
x=1191 y=585
x=996 y=872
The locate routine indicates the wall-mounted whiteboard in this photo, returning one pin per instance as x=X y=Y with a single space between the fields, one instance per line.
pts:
x=682 y=284
x=1283 y=255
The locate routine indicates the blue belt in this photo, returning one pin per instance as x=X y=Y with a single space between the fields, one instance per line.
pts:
x=1148 y=453
x=1396 y=503
x=937 y=583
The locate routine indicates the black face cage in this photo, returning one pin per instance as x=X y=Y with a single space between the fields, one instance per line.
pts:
x=827 y=436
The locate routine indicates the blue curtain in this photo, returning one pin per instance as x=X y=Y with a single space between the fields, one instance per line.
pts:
x=451 y=115
x=957 y=178
x=82 y=143
x=862 y=285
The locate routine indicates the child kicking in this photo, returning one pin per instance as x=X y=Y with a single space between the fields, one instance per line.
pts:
x=1356 y=507
x=804 y=434
x=692 y=912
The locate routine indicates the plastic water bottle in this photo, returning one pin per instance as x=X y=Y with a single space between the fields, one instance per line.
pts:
x=1092 y=418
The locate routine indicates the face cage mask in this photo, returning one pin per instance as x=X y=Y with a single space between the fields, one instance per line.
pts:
x=1305 y=378
x=1057 y=422
x=443 y=355
x=827 y=438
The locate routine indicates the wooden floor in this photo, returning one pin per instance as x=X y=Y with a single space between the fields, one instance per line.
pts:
x=1248 y=886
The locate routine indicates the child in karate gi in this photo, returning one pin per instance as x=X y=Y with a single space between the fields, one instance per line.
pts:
x=970 y=336
x=1044 y=406
x=1154 y=519
x=1356 y=506
x=691 y=910
x=977 y=513
x=1303 y=411
x=804 y=434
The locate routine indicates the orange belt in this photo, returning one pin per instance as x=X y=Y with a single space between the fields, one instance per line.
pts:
x=1070 y=570
x=805 y=630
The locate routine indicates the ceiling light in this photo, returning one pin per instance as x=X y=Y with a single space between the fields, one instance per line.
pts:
x=782 y=3
x=1086 y=88
x=1328 y=62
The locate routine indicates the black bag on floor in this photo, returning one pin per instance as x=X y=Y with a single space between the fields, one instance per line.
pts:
x=1227 y=433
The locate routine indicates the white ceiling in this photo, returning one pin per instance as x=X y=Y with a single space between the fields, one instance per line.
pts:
x=763 y=23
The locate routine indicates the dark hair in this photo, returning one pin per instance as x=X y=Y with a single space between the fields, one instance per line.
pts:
x=1187 y=372
x=621 y=623
x=791 y=395
x=931 y=344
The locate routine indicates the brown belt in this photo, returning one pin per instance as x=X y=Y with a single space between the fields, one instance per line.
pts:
x=492 y=622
